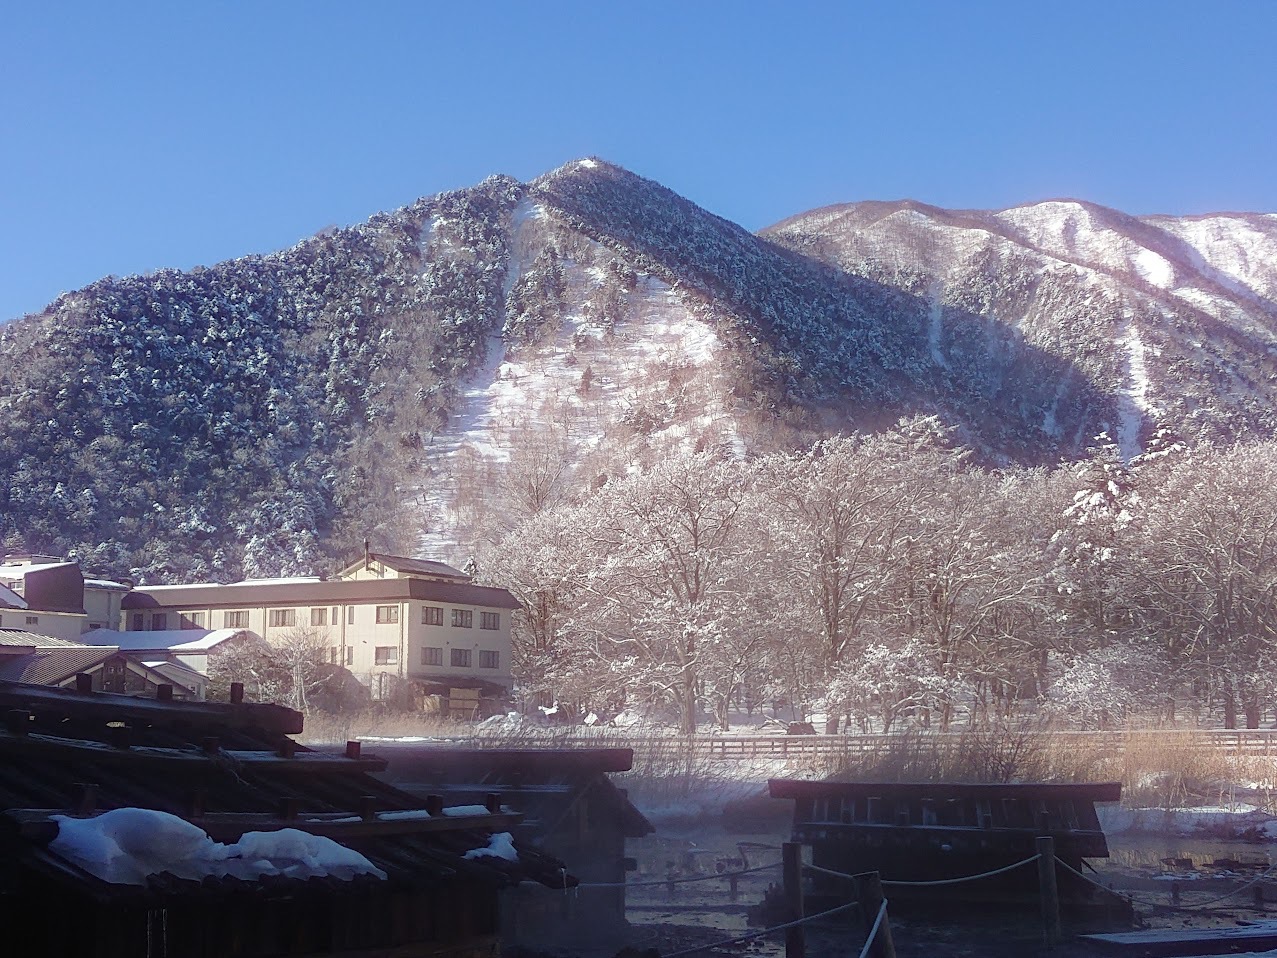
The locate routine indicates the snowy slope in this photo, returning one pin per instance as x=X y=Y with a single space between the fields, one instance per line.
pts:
x=1174 y=318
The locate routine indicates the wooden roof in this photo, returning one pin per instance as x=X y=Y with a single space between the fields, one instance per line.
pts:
x=1077 y=791
x=230 y=769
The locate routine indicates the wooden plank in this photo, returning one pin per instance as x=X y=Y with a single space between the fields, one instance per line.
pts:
x=108 y=706
x=300 y=762
x=36 y=824
x=1162 y=943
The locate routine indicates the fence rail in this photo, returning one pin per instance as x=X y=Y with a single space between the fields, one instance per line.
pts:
x=1256 y=742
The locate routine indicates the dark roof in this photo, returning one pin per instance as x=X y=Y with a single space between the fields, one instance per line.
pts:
x=24 y=638
x=51 y=666
x=543 y=783
x=1080 y=791
x=228 y=768
x=417 y=566
x=237 y=595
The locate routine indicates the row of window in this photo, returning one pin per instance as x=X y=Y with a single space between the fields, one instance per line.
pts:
x=287 y=618
x=432 y=655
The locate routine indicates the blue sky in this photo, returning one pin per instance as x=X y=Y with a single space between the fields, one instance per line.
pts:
x=138 y=136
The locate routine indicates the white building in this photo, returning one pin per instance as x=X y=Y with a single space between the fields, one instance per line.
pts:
x=385 y=618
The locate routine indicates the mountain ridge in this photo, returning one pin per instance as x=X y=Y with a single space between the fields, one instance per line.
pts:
x=400 y=377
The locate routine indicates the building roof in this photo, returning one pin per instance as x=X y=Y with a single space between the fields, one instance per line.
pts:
x=174 y=672
x=543 y=783
x=19 y=570
x=10 y=599
x=24 y=639
x=183 y=641
x=228 y=769
x=249 y=594
x=411 y=566
x=1081 y=791
x=51 y=666
x=106 y=585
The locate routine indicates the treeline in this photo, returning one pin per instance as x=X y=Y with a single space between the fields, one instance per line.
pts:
x=887 y=581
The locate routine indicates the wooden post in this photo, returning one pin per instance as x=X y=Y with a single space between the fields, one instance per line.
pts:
x=1049 y=891
x=734 y=882
x=869 y=889
x=1174 y=893
x=792 y=876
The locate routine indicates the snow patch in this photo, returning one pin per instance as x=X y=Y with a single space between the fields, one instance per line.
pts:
x=1154 y=269
x=500 y=845
x=127 y=845
x=1134 y=404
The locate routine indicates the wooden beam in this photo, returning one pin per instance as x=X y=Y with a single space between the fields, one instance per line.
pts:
x=36 y=824
x=109 y=706
x=301 y=762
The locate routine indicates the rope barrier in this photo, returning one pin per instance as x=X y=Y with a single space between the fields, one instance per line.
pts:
x=938 y=881
x=1158 y=904
x=873 y=932
x=767 y=931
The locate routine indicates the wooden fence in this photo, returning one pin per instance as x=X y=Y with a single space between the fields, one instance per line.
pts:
x=1256 y=742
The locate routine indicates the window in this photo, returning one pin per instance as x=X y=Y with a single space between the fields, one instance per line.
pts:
x=33 y=620
x=235 y=620
x=489 y=659
x=318 y=616
x=387 y=614
x=385 y=655
x=462 y=619
x=431 y=615
x=335 y=619
x=432 y=655
x=350 y=615
x=332 y=655
x=159 y=621
x=137 y=622
x=193 y=620
x=282 y=618
x=350 y=655
x=490 y=620
x=461 y=658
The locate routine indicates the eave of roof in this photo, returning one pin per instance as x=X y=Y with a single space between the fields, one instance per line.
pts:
x=241 y=595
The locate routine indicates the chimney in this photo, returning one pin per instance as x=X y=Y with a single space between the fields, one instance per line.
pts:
x=367 y=558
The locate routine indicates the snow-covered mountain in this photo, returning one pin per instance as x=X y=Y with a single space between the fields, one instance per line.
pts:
x=434 y=374
x=1174 y=317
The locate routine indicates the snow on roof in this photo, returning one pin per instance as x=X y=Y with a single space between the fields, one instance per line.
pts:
x=20 y=571
x=10 y=598
x=106 y=584
x=500 y=845
x=172 y=640
x=281 y=580
x=126 y=845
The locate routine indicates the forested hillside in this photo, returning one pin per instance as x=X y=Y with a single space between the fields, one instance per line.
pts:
x=436 y=376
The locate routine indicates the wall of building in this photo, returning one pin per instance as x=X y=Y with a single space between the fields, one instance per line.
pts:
x=369 y=638
x=59 y=625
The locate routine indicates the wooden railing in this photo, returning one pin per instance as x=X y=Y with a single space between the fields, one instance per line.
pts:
x=1258 y=742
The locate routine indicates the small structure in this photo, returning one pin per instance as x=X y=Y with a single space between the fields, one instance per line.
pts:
x=571 y=809
x=310 y=854
x=915 y=832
